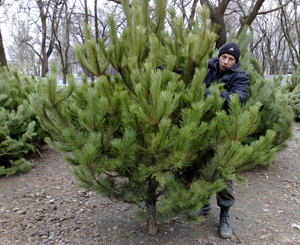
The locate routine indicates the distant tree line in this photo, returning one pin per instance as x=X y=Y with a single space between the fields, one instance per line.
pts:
x=44 y=30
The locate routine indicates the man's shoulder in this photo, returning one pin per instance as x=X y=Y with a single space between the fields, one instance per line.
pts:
x=238 y=70
x=245 y=73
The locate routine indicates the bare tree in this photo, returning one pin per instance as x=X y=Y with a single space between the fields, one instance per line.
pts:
x=96 y=19
x=86 y=12
x=271 y=44
x=3 y=61
x=62 y=38
x=52 y=9
x=290 y=21
x=247 y=19
x=247 y=11
x=59 y=25
x=22 y=51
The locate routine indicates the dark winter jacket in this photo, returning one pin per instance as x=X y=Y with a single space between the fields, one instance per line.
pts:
x=236 y=81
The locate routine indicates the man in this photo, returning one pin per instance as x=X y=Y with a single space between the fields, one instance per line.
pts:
x=226 y=69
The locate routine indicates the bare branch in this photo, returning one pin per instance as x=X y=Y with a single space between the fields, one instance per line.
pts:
x=33 y=49
x=247 y=20
x=223 y=5
x=115 y=1
x=261 y=38
x=273 y=10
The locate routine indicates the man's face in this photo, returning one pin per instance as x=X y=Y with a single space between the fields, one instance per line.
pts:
x=226 y=61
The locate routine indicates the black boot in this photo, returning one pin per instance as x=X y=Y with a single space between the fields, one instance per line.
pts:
x=205 y=210
x=225 y=228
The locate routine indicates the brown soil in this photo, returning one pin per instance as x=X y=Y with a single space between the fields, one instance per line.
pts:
x=45 y=206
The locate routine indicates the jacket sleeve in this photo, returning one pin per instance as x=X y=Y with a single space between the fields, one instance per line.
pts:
x=238 y=86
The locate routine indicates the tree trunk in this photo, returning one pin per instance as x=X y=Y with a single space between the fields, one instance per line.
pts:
x=45 y=65
x=217 y=17
x=44 y=35
x=152 y=225
x=247 y=21
x=191 y=20
x=288 y=28
x=86 y=13
x=3 y=61
x=68 y=17
x=96 y=20
x=65 y=76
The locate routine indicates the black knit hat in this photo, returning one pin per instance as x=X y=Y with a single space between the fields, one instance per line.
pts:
x=231 y=48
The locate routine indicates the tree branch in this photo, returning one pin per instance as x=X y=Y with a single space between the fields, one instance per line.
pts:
x=247 y=20
x=192 y=16
x=33 y=49
x=273 y=10
x=223 y=5
x=261 y=38
x=115 y=1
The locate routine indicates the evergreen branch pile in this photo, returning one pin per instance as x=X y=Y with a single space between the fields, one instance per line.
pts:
x=274 y=110
x=17 y=122
x=294 y=101
x=293 y=81
x=293 y=92
x=148 y=136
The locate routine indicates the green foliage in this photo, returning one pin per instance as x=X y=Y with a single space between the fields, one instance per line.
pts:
x=15 y=88
x=294 y=101
x=275 y=112
x=277 y=80
x=148 y=136
x=292 y=88
x=17 y=122
x=293 y=81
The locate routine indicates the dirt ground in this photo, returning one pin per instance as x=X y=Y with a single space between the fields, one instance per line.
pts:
x=45 y=206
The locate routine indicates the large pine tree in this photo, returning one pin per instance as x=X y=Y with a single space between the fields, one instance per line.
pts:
x=147 y=135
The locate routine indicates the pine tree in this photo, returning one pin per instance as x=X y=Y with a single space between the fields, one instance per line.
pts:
x=274 y=111
x=294 y=101
x=147 y=136
x=292 y=89
x=293 y=81
x=17 y=124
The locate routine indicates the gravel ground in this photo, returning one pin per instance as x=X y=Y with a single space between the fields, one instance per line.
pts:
x=45 y=206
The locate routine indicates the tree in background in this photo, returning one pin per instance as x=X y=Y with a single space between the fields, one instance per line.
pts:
x=289 y=20
x=147 y=135
x=273 y=24
x=292 y=88
x=3 y=61
x=46 y=9
x=22 y=51
x=227 y=14
x=35 y=24
x=62 y=39
x=294 y=101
